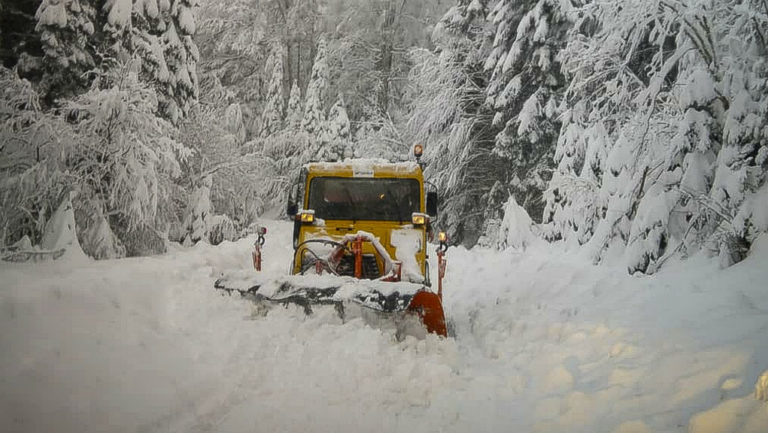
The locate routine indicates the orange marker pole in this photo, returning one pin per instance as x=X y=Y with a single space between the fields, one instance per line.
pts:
x=441 y=263
x=357 y=249
x=257 y=249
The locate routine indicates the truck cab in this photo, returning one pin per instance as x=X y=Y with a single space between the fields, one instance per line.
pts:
x=387 y=201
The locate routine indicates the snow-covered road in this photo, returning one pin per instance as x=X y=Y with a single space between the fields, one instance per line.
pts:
x=544 y=342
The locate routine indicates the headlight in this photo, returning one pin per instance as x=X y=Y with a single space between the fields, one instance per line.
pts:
x=307 y=216
x=418 y=150
x=418 y=219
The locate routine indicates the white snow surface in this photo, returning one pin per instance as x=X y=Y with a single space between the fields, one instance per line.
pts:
x=544 y=342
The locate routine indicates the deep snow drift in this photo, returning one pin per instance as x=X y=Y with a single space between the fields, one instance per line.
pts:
x=544 y=342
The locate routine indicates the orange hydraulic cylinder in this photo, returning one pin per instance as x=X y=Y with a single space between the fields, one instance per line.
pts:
x=357 y=249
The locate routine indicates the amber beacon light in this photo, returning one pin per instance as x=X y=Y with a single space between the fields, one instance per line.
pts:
x=418 y=150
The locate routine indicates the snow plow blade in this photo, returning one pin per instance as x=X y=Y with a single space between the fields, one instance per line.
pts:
x=404 y=298
x=429 y=308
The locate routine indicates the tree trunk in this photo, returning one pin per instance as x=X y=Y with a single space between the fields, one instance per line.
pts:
x=298 y=64
x=385 y=59
x=288 y=82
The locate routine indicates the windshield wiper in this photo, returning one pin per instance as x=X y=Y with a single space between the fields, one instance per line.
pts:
x=351 y=204
x=396 y=202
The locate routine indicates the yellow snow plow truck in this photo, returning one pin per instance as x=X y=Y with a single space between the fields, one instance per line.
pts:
x=360 y=238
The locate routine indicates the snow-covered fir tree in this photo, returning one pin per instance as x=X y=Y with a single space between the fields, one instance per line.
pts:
x=234 y=124
x=571 y=212
x=110 y=147
x=295 y=110
x=181 y=56
x=272 y=116
x=127 y=158
x=524 y=90
x=201 y=223
x=66 y=31
x=368 y=48
x=649 y=114
x=79 y=35
x=314 y=104
x=31 y=181
x=663 y=131
x=215 y=130
x=336 y=144
x=446 y=114
x=378 y=135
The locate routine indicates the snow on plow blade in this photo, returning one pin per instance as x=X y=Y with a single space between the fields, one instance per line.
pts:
x=396 y=298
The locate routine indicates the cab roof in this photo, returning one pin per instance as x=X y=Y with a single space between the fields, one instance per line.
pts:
x=364 y=168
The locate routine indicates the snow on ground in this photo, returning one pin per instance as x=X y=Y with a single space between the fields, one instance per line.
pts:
x=544 y=342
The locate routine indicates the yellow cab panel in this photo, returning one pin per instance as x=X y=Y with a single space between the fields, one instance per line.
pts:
x=378 y=197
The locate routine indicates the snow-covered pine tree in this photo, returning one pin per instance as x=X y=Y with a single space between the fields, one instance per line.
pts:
x=671 y=216
x=31 y=178
x=524 y=89
x=495 y=200
x=200 y=222
x=740 y=184
x=290 y=145
x=66 y=31
x=625 y=115
x=236 y=37
x=272 y=116
x=159 y=32
x=667 y=105
x=124 y=159
x=570 y=209
x=368 y=44
x=364 y=132
x=215 y=131
x=378 y=136
x=74 y=33
x=314 y=105
x=446 y=114
x=294 y=111
x=149 y=20
x=336 y=134
x=181 y=56
x=109 y=146
x=233 y=122
x=284 y=152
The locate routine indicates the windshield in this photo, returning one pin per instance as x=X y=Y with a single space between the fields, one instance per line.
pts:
x=347 y=198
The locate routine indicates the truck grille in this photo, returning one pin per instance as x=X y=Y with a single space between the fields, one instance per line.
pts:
x=370 y=266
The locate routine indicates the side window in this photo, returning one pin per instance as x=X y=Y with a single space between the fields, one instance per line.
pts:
x=301 y=188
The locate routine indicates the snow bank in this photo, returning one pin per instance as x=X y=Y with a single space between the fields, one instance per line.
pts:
x=743 y=415
x=60 y=232
x=578 y=348
x=761 y=387
x=59 y=240
x=544 y=342
x=516 y=227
